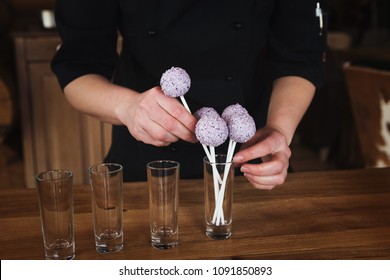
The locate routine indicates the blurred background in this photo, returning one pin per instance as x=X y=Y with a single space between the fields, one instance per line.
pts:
x=327 y=138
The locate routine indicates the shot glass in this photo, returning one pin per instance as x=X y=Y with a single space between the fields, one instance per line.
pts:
x=163 y=181
x=55 y=197
x=218 y=179
x=106 y=182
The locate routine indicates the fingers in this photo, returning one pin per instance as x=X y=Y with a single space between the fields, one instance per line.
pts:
x=267 y=183
x=176 y=119
x=269 y=174
x=156 y=136
x=160 y=120
x=265 y=142
x=272 y=148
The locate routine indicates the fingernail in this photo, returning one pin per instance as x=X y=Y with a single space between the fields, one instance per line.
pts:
x=238 y=158
x=244 y=169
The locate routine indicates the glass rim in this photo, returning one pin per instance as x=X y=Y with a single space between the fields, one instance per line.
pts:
x=68 y=174
x=94 y=168
x=174 y=165
x=206 y=160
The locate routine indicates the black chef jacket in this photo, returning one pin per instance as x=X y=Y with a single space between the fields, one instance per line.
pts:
x=231 y=49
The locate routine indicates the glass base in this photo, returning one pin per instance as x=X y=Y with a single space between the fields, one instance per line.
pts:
x=109 y=243
x=60 y=250
x=218 y=236
x=218 y=232
x=164 y=246
x=164 y=238
x=104 y=249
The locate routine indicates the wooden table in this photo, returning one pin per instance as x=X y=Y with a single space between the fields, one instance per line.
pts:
x=314 y=215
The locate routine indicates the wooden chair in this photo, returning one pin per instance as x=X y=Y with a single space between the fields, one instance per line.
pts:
x=369 y=92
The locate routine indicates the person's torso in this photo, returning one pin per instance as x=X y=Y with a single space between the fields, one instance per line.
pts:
x=217 y=42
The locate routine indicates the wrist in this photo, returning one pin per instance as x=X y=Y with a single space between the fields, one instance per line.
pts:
x=125 y=101
x=281 y=129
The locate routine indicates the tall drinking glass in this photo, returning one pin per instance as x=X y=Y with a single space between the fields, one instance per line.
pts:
x=106 y=182
x=55 y=196
x=163 y=181
x=218 y=179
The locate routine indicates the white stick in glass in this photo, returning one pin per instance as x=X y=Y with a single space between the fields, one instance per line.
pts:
x=242 y=127
x=218 y=217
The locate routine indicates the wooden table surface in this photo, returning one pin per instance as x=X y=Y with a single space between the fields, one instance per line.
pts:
x=314 y=215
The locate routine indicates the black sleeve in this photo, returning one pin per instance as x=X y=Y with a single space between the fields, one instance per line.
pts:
x=88 y=30
x=296 y=42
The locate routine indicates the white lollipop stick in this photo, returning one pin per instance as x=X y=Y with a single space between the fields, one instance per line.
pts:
x=212 y=160
x=207 y=152
x=217 y=209
x=218 y=212
x=183 y=100
x=218 y=216
x=215 y=172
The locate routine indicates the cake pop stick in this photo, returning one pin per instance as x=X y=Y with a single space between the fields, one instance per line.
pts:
x=184 y=102
x=216 y=177
x=175 y=82
x=218 y=217
x=227 y=114
x=242 y=127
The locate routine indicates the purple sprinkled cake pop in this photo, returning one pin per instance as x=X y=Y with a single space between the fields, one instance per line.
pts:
x=205 y=111
x=211 y=131
x=175 y=82
x=242 y=127
x=233 y=110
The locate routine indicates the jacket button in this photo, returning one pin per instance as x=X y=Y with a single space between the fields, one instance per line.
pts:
x=238 y=25
x=152 y=32
x=229 y=78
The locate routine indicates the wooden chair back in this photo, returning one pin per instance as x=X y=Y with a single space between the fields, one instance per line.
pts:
x=369 y=92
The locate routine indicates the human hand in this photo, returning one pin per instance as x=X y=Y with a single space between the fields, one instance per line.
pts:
x=271 y=146
x=156 y=119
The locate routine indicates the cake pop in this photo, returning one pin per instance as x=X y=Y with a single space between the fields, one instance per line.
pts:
x=175 y=82
x=205 y=111
x=242 y=127
x=211 y=131
x=233 y=110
